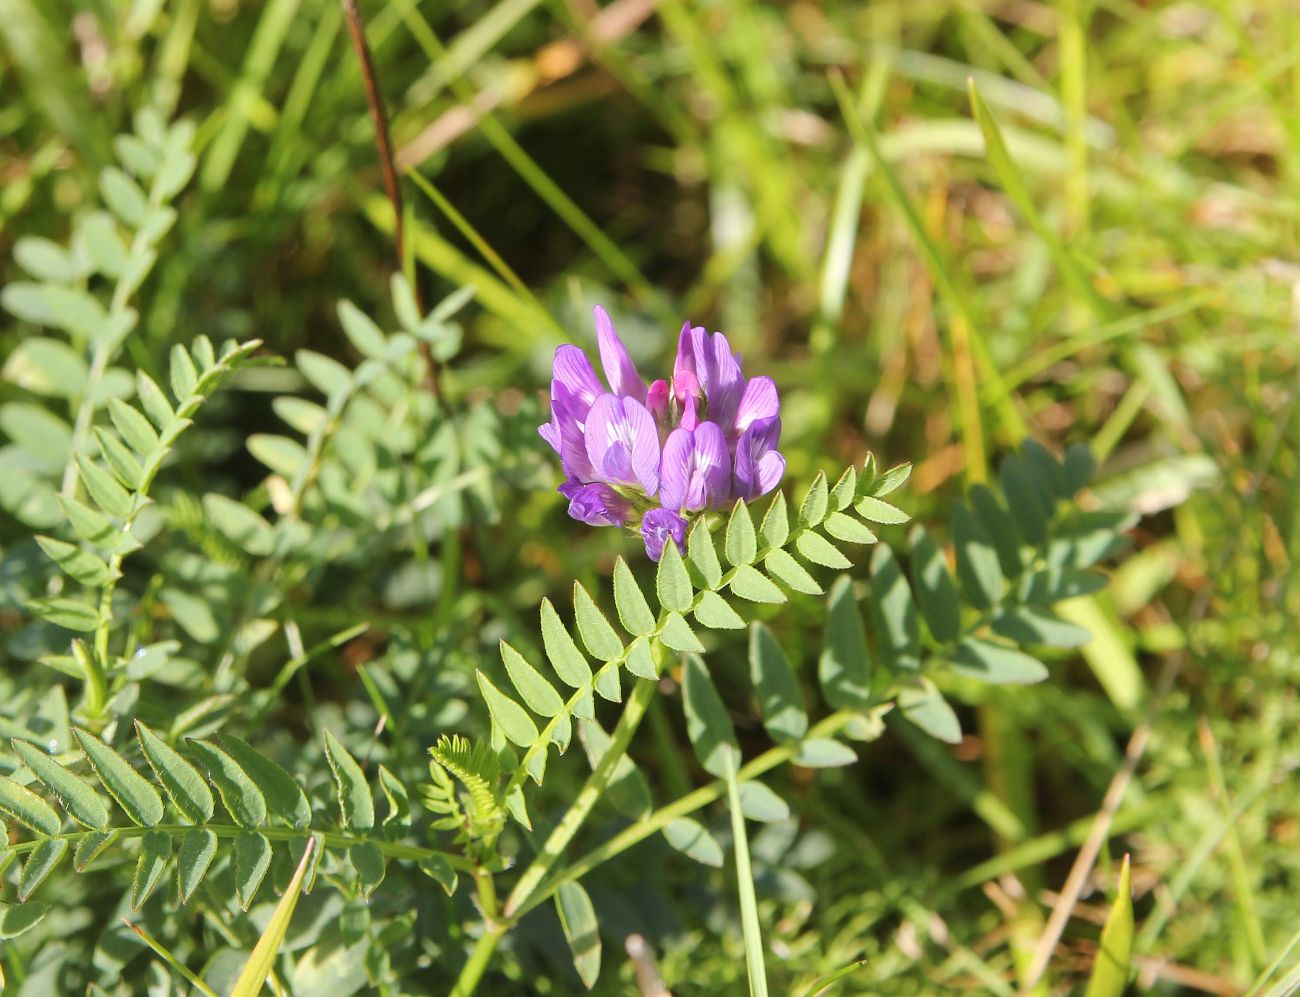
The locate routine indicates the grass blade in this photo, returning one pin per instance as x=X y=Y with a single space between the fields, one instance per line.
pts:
x=259 y=963
x=745 y=884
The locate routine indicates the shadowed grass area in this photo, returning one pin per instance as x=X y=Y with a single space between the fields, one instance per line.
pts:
x=942 y=228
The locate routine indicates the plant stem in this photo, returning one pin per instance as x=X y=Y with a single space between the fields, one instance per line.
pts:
x=638 y=701
x=753 y=931
x=469 y=977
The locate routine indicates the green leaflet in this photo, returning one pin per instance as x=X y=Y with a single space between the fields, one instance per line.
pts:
x=672 y=583
x=703 y=555
x=996 y=664
x=356 y=805
x=252 y=859
x=716 y=613
x=627 y=792
x=873 y=510
x=104 y=488
x=181 y=781
x=758 y=802
x=633 y=610
x=537 y=693
x=368 y=861
x=599 y=637
x=119 y=459
x=90 y=847
x=845 y=489
x=26 y=807
x=816 y=548
x=239 y=794
x=41 y=861
x=285 y=799
x=511 y=719
x=925 y=706
x=775 y=528
x=844 y=668
x=780 y=698
x=707 y=723
x=785 y=569
x=750 y=583
x=742 y=543
x=816 y=503
x=155 y=850
x=823 y=753
x=641 y=659
x=17 y=919
x=133 y=793
x=978 y=566
x=581 y=930
x=894 y=612
x=1034 y=625
x=693 y=840
x=569 y=663
x=135 y=428
x=184 y=378
x=82 y=803
x=846 y=528
x=81 y=565
x=678 y=635
x=198 y=849
x=935 y=590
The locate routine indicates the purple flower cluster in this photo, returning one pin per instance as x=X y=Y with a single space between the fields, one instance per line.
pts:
x=654 y=456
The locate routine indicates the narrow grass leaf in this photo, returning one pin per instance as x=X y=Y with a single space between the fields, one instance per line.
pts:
x=707 y=724
x=780 y=697
x=252 y=860
x=356 y=805
x=285 y=798
x=198 y=849
x=750 y=927
x=633 y=610
x=155 y=850
x=133 y=793
x=181 y=781
x=581 y=930
x=672 y=582
x=239 y=794
x=41 y=861
x=1110 y=972
x=82 y=803
x=742 y=542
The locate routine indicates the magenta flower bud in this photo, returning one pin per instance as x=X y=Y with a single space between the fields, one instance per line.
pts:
x=657 y=401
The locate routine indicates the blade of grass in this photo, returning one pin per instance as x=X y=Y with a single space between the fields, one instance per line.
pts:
x=1115 y=952
x=258 y=967
x=753 y=931
x=161 y=951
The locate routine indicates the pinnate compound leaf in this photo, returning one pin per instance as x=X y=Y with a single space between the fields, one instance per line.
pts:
x=742 y=542
x=633 y=610
x=21 y=804
x=935 y=590
x=750 y=583
x=672 y=583
x=511 y=719
x=155 y=850
x=133 y=793
x=252 y=859
x=716 y=613
x=996 y=664
x=600 y=638
x=581 y=930
x=181 y=781
x=693 y=840
x=356 y=805
x=239 y=793
x=82 y=803
x=41 y=861
x=198 y=849
x=789 y=572
x=285 y=798
x=844 y=668
x=780 y=697
x=775 y=528
x=707 y=723
x=924 y=706
x=702 y=554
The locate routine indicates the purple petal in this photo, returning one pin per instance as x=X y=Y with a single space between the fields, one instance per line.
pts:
x=572 y=372
x=759 y=466
x=695 y=472
x=759 y=400
x=622 y=443
x=709 y=359
x=656 y=400
x=620 y=371
x=596 y=504
x=657 y=526
x=574 y=387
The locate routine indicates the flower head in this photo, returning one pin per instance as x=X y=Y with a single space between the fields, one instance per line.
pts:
x=656 y=456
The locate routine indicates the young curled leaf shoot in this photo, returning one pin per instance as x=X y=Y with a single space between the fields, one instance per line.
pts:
x=655 y=458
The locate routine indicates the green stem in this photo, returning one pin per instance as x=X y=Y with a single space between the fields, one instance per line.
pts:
x=753 y=931
x=469 y=977
x=638 y=701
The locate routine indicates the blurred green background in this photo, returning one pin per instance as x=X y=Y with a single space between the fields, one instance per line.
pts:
x=1125 y=274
